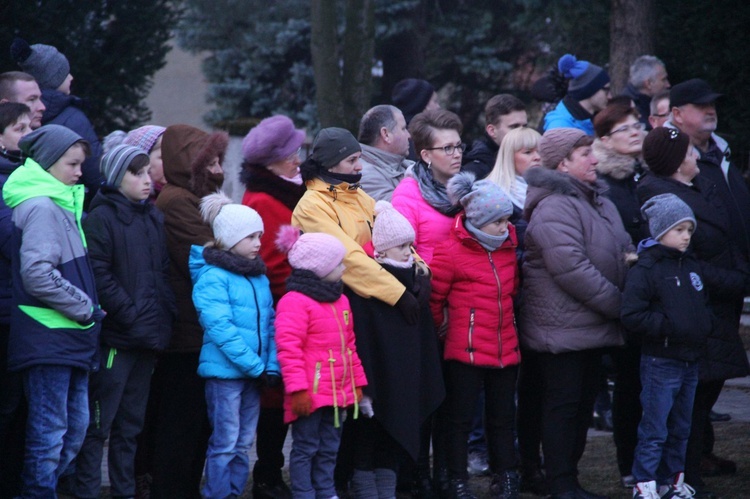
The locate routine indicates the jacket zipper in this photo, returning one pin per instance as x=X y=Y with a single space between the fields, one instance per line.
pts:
x=316 y=378
x=470 y=348
x=500 y=311
x=257 y=308
x=344 y=375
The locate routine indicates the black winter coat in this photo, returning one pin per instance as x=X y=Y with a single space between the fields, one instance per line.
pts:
x=665 y=303
x=128 y=252
x=402 y=363
x=712 y=244
x=7 y=166
x=480 y=159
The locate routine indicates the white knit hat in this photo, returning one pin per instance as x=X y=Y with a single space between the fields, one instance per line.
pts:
x=391 y=228
x=230 y=222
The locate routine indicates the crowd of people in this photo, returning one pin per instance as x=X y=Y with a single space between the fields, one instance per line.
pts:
x=418 y=311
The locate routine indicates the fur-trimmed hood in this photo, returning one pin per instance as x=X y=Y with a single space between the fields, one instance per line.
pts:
x=544 y=182
x=611 y=163
x=186 y=151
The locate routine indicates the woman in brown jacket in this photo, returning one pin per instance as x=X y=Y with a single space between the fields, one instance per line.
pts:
x=574 y=270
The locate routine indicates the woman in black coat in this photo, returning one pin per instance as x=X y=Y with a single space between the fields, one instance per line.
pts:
x=673 y=169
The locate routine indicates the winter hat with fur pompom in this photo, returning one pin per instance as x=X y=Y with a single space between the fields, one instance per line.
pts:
x=231 y=222
x=315 y=251
x=483 y=201
x=391 y=228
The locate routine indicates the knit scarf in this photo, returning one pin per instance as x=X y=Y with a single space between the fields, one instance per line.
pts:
x=433 y=192
x=487 y=241
x=233 y=263
x=306 y=282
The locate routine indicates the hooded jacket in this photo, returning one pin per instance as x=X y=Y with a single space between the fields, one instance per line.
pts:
x=381 y=172
x=186 y=152
x=347 y=214
x=665 y=303
x=67 y=110
x=574 y=265
x=236 y=312
x=478 y=287
x=128 y=252
x=621 y=173
x=54 y=293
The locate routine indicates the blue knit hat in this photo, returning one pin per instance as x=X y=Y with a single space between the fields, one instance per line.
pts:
x=45 y=63
x=586 y=78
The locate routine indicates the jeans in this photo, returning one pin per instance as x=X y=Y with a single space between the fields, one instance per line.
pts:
x=117 y=402
x=233 y=409
x=58 y=418
x=315 y=443
x=667 y=400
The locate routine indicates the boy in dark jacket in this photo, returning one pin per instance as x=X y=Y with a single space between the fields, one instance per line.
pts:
x=127 y=245
x=664 y=302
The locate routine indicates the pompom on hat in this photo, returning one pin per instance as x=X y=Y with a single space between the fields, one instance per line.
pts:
x=231 y=222
x=315 y=251
x=273 y=139
x=664 y=150
x=556 y=144
x=484 y=201
x=585 y=78
x=391 y=228
x=45 y=63
x=664 y=212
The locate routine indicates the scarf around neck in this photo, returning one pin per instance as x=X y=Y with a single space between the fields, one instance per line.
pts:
x=433 y=192
x=306 y=282
x=488 y=242
x=517 y=192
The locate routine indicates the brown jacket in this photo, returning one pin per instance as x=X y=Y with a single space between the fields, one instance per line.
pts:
x=574 y=266
x=186 y=151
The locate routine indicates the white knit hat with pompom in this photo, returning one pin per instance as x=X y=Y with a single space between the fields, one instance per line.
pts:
x=231 y=222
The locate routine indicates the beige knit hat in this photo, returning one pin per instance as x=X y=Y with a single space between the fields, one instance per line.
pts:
x=391 y=228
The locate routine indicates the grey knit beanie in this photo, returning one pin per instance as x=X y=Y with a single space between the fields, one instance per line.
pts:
x=664 y=212
x=115 y=163
x=483 y=200
x=556 y=144
x=48 y=143
x=45 y=63
x=332 y=145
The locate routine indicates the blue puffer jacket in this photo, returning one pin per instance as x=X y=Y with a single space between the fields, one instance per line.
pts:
x=565 y=117
x=235 y=309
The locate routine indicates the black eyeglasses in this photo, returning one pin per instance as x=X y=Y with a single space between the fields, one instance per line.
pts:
x=449 y=149
x=634 y=126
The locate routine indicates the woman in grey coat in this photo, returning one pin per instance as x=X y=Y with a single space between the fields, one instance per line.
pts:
x=574 y=271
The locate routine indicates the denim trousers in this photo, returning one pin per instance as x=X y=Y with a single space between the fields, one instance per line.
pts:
x=315 y=444
x=56 y=426
x=233 y=409
x=667 y=400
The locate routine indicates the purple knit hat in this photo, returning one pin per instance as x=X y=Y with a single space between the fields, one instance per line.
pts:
x=144 y=137
x=273 y=139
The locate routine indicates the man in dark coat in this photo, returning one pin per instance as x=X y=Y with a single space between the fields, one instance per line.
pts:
x=648 y=77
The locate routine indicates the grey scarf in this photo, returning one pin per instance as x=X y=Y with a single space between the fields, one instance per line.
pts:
x=433 y=192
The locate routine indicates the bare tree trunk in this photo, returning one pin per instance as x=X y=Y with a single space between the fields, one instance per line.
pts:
x=632 y=29
x=325 y=59
x=359 y=49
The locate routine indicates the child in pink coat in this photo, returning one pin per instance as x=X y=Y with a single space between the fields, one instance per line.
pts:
x=319 y=364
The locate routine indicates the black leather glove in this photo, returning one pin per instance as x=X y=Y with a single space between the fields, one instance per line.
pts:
x=409 y=307
x=269 y=380
x=422 y=289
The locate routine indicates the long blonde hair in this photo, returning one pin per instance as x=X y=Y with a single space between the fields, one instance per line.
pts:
x=504 y=171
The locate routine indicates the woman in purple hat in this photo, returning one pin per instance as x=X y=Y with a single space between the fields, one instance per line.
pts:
x=270 y=173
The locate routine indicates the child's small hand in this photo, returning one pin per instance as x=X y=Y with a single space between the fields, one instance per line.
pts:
x=358 y=390
x=301 y=403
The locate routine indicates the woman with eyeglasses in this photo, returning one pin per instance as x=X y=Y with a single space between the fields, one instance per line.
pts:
x=573 y=275
x=618 y=148
x=273 y=186
x=671 y=160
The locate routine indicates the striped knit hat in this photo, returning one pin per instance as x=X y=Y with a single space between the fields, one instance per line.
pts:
x=115 y=163
x=144 y=137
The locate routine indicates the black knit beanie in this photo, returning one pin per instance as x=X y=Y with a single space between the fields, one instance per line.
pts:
x=664 y=150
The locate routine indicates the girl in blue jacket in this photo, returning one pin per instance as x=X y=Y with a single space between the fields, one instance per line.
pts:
x=233 y=298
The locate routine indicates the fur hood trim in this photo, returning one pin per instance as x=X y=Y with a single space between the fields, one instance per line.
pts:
x=186 y=151
x=544 y=182
x=616 y=165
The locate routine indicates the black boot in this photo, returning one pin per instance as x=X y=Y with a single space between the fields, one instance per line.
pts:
x=505 y=485
x=533 y=481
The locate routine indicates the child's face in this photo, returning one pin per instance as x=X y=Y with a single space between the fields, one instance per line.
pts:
x=67 y=169
x=157 y=166
x=399 y=253
x=248 y=247
x=678 y=237
x=65 y=86
x=13 y=133
x=136 y=187
x=496 y=228
x=336 y=274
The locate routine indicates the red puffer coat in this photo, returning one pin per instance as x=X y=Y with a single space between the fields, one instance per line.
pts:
x=478 y=287
x=316 y=351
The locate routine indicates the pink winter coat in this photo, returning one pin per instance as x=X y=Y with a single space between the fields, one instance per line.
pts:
x=316 y=351
x=431 y=226
x=478 y=287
